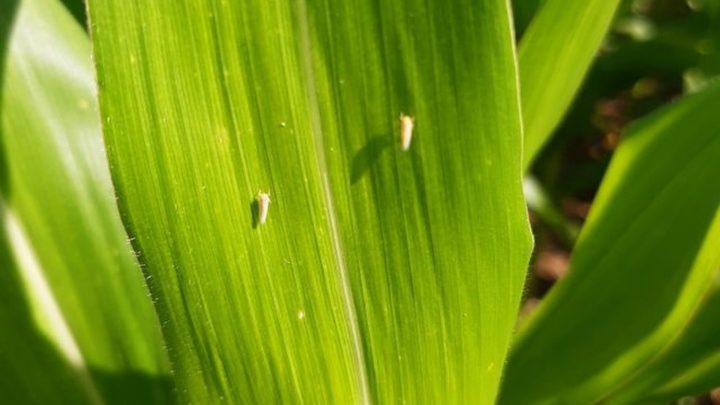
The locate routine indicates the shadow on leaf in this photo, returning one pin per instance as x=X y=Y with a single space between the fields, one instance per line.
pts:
x=366 y=157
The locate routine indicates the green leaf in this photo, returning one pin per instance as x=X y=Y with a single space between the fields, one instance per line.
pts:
x=57 y=185
x=27 y=356
x=639 y=269
x=688 y=361
x=554 y=55
x=77 y=9
x=380 y=274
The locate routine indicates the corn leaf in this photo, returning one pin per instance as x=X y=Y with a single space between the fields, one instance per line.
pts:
x=641 y=271
x=380 y=275
x=27 y=356
x=555 y=53
x=57 y=185
x=688 y=359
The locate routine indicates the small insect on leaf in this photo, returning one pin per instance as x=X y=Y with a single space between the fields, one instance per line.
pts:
x=406 y=130
x=263 y=201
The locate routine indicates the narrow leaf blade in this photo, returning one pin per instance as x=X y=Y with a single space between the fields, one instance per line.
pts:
x=633 y=264
x=27 y=355
x=686 y=355
x=555 y=53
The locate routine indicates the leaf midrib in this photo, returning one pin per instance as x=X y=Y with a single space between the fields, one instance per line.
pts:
x=304 y=47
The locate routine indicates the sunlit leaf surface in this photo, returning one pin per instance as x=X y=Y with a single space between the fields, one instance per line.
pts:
x=380 y=275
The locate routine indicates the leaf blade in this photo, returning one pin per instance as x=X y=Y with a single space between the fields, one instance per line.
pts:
x=59 y=187
x=554 y=55
x=686 y=357
x=608 y=271
x=322 y=102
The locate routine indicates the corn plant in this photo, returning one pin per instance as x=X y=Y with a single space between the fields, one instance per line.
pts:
x=265 y=201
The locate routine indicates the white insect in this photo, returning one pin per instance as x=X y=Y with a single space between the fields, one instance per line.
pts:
x=263 y=200
x=406 y=130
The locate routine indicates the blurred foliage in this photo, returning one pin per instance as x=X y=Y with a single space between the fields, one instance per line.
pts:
x=647 y=240
x=656 y=51
x=73 y=256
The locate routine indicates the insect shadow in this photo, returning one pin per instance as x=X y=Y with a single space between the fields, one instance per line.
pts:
x=255 y=212
x=366 y=157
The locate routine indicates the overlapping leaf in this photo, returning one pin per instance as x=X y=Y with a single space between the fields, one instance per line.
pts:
x=555 y=53
x=641 y=272
x=56 y=182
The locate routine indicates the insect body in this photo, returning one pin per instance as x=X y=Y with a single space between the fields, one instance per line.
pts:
x=263 y=201
x=406 y=130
